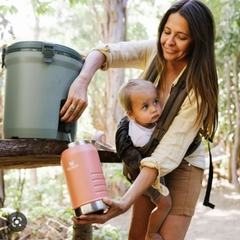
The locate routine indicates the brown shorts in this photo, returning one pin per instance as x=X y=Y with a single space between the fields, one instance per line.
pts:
x=184 y=184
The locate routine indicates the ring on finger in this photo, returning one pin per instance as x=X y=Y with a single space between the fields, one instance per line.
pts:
x=72 y=107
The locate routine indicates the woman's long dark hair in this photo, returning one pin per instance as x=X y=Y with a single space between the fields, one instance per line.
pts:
x=201 y=74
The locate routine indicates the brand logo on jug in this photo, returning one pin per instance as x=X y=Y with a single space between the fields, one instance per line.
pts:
x=72 y=165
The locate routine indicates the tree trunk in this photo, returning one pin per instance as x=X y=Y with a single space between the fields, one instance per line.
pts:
x=1 y=171
x=82 y=232
x=114 y=112
x=235 y=154
x=229 y=117
x=2 y=192
x=114 y=31
x=236 y=147
x=1 y=105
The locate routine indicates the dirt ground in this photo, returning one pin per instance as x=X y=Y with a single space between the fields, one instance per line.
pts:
x=220 y=223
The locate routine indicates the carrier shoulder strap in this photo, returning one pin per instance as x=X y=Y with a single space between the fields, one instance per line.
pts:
x=152 y=72
x=171 y=108
x=210 y=178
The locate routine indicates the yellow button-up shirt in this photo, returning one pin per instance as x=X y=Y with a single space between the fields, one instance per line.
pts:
x=174 y=144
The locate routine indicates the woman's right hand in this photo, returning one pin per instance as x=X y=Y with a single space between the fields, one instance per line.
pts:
x=77 y=99
x=76 y=102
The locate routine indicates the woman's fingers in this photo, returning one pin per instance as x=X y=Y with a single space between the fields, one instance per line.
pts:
x=72 y=110
x=113 y=211
x=91 y=218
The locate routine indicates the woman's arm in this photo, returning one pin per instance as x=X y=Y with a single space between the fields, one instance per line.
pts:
x=119 y=55
x=77 y=94
x=134 y=54
x=144 y=180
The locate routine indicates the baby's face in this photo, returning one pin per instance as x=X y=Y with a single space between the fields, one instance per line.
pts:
x=146 y=107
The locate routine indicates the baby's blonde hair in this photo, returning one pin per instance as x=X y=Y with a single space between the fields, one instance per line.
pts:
x=126 y=90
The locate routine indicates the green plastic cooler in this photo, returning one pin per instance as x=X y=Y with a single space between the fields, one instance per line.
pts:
x=38 y=77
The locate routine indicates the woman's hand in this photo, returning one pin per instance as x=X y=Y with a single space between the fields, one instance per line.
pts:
x=115 y=208
x=77 y=99
x=76 y=102
x=144 y=180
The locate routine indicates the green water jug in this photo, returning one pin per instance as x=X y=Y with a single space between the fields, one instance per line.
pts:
x=38 y=77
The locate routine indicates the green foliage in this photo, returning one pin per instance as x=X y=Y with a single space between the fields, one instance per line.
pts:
x=229 y=29
x=43 y=8
x=49 y=197
x=143 y=19
x=75 y=2
x=4 y=212
x=108 y=232
x=227 y=18
x=7 y=8
x=113 y=171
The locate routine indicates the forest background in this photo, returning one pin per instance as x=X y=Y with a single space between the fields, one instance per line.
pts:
x=81 y=24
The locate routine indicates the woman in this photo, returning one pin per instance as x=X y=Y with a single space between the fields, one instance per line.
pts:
x=185 y=45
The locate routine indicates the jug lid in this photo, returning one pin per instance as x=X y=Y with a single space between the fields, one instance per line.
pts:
x=79 y=142
x=38 y=46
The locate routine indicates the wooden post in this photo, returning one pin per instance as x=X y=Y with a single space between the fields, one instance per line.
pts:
x=33 y=153
x=82 y=232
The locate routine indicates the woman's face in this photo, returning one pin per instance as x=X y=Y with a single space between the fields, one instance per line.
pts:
x=176 y=38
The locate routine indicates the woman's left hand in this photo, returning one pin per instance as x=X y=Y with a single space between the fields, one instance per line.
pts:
x=115 y=209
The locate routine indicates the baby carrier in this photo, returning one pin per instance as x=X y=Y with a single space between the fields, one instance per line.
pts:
x=131 y=156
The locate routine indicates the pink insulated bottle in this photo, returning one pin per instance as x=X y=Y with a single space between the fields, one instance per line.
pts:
x=84 y=177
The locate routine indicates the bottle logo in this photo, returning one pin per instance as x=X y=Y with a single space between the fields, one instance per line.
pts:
x=72 y=165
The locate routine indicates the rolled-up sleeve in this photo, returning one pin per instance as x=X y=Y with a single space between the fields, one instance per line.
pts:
x=174 y=144
x=127 y=54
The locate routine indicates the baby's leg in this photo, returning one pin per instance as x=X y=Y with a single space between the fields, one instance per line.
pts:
x=157 y=218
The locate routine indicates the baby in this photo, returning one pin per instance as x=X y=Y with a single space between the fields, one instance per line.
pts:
x=139 y=99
